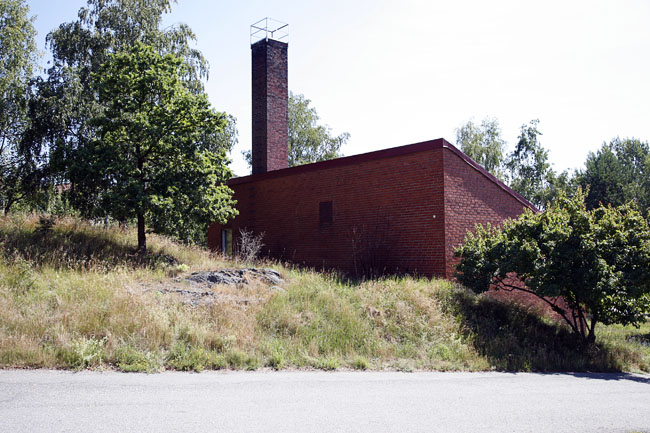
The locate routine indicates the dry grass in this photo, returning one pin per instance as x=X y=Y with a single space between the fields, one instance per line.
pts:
x=72 y=297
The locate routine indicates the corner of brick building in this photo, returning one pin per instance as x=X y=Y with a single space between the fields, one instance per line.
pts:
x=471 y=197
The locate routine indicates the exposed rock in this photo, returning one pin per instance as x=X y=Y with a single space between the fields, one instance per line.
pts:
x=198 y=297
x=226 y=285
x=234 y=277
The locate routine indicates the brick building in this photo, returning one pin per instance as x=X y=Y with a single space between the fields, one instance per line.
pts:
x=398 y=210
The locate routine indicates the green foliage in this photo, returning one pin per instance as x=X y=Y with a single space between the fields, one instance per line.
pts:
x=328 y=364
x=82 y=353
x=483 y=143
x=17 y=48
x=619 y=172
x=598 y=262
x=185 y=357
x=557 y=184
x=530 y=173
x=308 y=141
x=149 y=160
x=276 y=358
x=241 y=360
x=20 y=277
x=109 y=26
x=360 y=363
x=128 y=358
x=18 y=57
x=528 y=166
x=66 y=103
x=526 y=169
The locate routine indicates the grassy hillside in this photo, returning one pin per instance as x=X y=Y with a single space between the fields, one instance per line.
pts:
x=76 y=296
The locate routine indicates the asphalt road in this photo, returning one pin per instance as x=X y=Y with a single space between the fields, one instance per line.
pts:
x=50 y=401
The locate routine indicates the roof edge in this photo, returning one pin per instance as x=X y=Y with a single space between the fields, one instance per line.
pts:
x=422 y=146
x=478 y=167
x=343 y=161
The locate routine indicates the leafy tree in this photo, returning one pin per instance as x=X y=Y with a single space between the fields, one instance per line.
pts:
x=597 y=261
x=558 y=184
x=109 y=26
x=79 y=48
x=619 y=172
x=308 y=141
x=18 y=56
x=150 y=159
x=66 y=100
x=529 y=172
x=227 y=137
x=483 y=143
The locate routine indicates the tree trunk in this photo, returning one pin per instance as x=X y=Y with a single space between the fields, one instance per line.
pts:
x=142 y=240
x=7 y=206
x=591 y=338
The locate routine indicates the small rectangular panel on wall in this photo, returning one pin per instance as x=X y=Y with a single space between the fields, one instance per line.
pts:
x=325 y=215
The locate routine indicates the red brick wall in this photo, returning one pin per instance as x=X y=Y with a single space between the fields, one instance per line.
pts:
x=472 y=197
x=382 y=213
x=388 y=208
x=270 y=95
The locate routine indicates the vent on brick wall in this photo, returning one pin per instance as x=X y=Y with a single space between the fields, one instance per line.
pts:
x=325 y=214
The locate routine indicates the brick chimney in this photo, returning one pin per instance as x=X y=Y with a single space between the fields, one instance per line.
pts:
x=270 y=139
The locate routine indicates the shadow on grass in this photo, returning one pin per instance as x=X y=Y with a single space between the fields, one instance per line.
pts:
x=514 y=338
x=75 y=248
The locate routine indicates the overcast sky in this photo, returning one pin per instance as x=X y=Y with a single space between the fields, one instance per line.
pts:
x=397 y=72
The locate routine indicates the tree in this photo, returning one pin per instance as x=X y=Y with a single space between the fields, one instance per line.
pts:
x=109 y=26
x=597 y=261
x=483 y=143
x=530 y=173
x=18 y=56
x=150 y=160
x=66 y=100
x=558 y=184
x=308 y=141
x=619 y=172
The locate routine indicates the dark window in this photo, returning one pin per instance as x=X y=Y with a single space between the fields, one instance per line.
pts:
x=325 y=214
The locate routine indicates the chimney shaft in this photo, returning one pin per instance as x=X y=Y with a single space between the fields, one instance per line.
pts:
x=270 y=139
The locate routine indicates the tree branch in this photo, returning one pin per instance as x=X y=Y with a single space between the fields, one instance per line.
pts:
x=510 y=287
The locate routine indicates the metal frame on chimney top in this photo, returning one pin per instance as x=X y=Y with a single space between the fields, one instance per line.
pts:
x=268 y=28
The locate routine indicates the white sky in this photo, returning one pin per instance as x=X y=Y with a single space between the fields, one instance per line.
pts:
x=397 y=72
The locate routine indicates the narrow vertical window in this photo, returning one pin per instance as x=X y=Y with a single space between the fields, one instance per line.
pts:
x=226 y=242
x=325 y=214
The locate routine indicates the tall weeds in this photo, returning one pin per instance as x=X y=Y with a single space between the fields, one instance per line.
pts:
x=74 y=295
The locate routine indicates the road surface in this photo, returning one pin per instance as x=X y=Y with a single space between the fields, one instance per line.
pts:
x=52 y=401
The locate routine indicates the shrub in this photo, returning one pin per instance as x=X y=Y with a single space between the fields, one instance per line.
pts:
x=130 y=359
x=360 y=363
x=597 y=262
